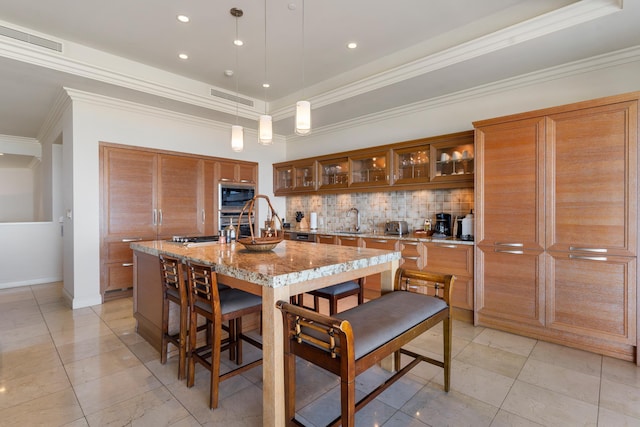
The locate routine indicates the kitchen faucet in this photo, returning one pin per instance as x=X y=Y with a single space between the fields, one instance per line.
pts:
x=357 y=217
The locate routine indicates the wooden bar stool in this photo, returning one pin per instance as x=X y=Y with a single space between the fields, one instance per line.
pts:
x=217 y=307
x=336 y=292
x=174 y=291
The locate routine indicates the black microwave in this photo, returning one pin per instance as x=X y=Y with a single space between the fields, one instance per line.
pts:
x=234 y=196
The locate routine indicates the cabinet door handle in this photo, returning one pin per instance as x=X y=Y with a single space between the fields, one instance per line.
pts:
x=245 y=180
x=504 y=251
x=588 y=258
x=203 y=216
x=442 y=245
x=348 y=238
x=513 y=245
x=155 y=217
x=598 y=250
x=380 y=241
x=160 y=216
x=410 y=243
x=412 y=258
x=127 y=264
x=225 y=179
x=131 y=239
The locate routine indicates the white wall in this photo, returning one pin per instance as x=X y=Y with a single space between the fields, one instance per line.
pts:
x=16 y=195
x=97 y=119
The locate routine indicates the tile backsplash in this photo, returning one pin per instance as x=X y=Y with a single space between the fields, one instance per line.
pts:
x=377 y=208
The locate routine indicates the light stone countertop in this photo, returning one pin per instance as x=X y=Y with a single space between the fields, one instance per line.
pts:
x=408 y=236
x=290 y=261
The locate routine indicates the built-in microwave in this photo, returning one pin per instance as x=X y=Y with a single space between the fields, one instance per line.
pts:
x=234 y=196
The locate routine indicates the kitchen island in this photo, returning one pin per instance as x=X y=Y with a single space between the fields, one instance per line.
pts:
x=290 y=269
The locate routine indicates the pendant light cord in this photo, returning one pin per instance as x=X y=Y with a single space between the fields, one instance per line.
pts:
x=303 y=46
x=236 y=73
x=265 y=57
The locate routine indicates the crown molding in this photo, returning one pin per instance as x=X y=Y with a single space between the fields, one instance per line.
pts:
x=60 y=105
x=607 y=60
x=566 y=17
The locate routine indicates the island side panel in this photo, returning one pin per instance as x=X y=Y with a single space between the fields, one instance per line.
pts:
x=147 y=298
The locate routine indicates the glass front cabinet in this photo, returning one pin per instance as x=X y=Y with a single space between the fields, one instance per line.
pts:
x=411 y=165
x=452 y=161
x=334 y=173
x=370 y=170
x=295 y=177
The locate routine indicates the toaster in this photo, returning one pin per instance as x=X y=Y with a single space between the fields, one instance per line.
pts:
x=396 y=227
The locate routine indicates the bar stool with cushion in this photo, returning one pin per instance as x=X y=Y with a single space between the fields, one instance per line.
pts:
x=217 y=307
x=174 y=290
x=336 y=292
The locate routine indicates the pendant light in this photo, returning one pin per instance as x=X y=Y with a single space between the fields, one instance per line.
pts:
x=237 y=132
x=303 y=108
x=265 y=122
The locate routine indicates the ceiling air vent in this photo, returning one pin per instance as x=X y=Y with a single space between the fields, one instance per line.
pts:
x=233 y=98
x=30 y=38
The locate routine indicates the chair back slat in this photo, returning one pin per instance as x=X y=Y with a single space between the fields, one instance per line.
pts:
x=171 y=275
x=203 y=287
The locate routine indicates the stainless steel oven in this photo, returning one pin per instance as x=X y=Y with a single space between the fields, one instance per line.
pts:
x=231 y=200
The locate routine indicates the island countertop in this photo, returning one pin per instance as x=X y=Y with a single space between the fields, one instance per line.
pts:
x=288 y=263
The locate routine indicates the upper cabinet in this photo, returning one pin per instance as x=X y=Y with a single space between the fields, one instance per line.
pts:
x=438 y=162
x=295 y=177
x=237 y=171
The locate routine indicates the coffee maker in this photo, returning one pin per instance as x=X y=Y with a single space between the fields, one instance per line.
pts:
x=443 y=225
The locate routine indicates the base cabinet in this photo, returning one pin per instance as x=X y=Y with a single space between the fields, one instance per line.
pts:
x=450 y=258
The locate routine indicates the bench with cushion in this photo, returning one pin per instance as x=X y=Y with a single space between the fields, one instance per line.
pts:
x=354 y=340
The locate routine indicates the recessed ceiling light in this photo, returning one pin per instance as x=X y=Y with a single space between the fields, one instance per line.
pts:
x=183 y=56
x=1 y=154
x=238 y=42
x=266 y=85
x=352 y=45
x=228 y=73
x=183 y=18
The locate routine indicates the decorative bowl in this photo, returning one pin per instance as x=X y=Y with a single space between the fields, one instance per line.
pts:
x=261 y=244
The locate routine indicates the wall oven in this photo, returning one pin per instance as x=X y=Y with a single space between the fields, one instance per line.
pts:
x=231 y=200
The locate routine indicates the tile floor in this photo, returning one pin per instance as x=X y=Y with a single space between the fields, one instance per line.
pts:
x=89 y=367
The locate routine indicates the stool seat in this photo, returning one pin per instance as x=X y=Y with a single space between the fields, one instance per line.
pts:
x=335 y=292
x=338 y=289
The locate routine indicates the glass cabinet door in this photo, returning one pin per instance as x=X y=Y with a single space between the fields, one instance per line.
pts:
x=370 y=170
x=334 y=173
x=284 y=179
x=452 y=162
x=411 y=165
x=305 y=177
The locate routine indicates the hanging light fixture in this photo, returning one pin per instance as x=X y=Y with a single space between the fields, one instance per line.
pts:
x=237 y=132
x=303 y=108
x=265 y=125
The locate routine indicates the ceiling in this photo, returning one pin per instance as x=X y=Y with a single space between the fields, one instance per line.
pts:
x=408 y=51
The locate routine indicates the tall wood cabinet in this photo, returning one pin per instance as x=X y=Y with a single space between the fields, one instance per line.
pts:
x=557 y=223
x=149 y=195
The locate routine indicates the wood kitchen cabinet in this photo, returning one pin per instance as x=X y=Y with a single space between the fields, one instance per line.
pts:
x=407 y=165
x=236 y=171
x=294 y=177
x=326 y=239
x=557 y=223
x=149 y=195
x=413 y=255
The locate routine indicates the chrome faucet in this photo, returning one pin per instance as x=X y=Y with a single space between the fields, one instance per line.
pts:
x=357 y=217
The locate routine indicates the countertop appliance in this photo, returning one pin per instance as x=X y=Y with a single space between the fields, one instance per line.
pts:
x=232 y=199
x=396 y=228
x=194 y=239
x=443 y=225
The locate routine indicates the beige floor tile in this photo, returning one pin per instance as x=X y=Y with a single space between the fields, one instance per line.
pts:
x=40 y=382
x=466 y=330
x=432 y=341
x=58 y=408
x=507 y=419
x=156 y=407
x=18 y=315
x=60 y=305
x=81 y=422
x=505 y=341
x=16 y=294
x=89 y=347
x=608 y=418
x=13 y=338
x=101 y=365
x=22 y=342
x=574 y=359
x=493 y=359
x=562 y=380
x=107 y=391
x=122 y=325
x=478 y=383
x=144 y=351
x=167 y=373
x=434 y=407
x=188 y=421
x=24 y=361
x=400 y=419
x=61 y=321
x=47 y=293
x=75 y=333
x=621 y=398
x=621 y=371
x=548 y=407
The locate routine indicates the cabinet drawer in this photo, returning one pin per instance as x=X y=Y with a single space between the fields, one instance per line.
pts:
x=119 y=276
x=381 y=243
x=412 y=255
x=450 y=258
x=349 y=241
x=119 y=251
x=327 y=239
